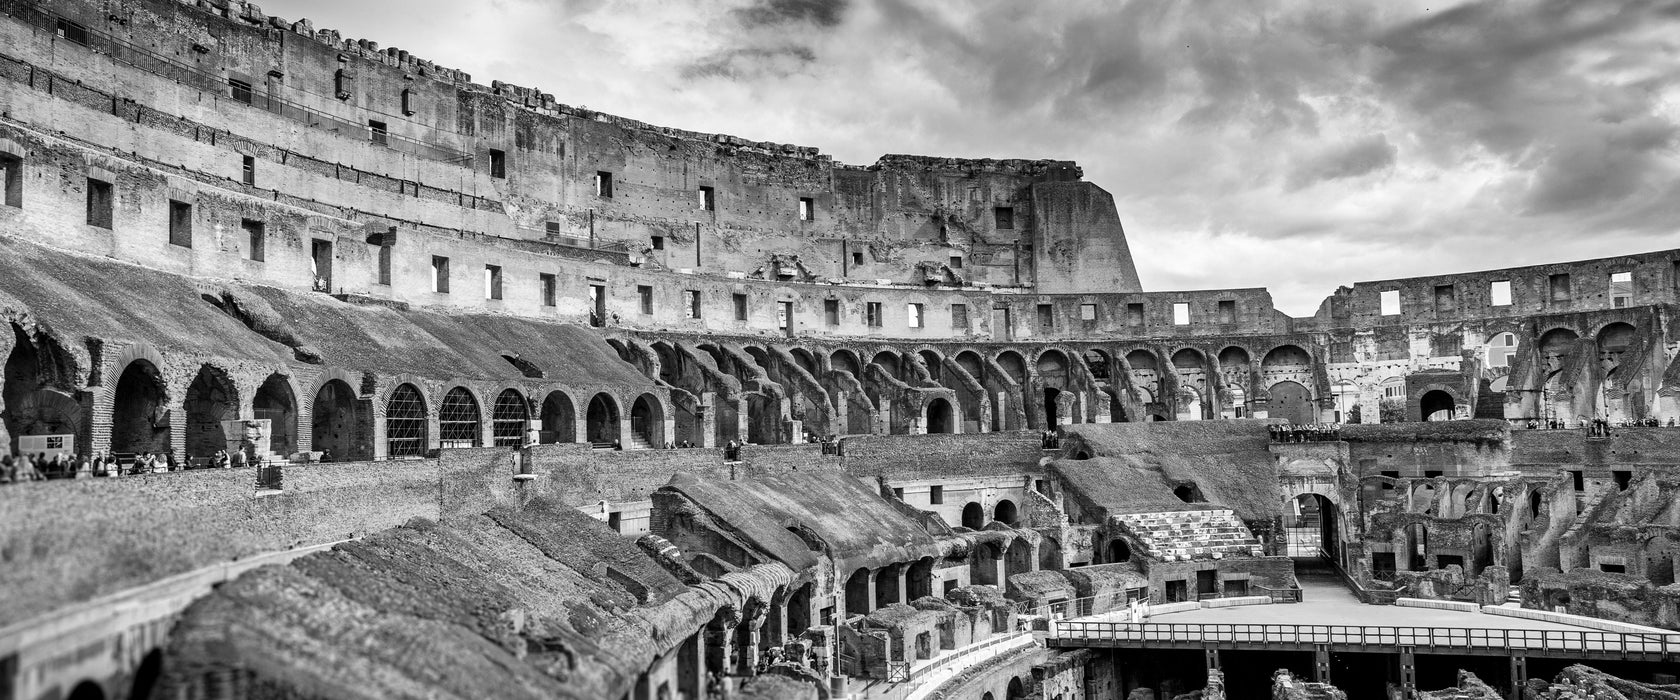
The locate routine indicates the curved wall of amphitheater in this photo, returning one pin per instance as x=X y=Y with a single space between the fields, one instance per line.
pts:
x=567 y=404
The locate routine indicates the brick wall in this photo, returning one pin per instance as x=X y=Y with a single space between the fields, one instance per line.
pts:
x=916 y=456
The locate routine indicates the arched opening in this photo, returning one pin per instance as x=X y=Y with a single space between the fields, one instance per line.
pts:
x=459 y=422
x=1615 y=340
x=918 y=583
x=1049 y=554
x=1004 y=512
x=1533 y=504
x=971 y=363
x=1481 y=548
x=886 y=586
x=1017 y=690
x=1436 y=405
x=341 y=424
x=1117 y=551
x=1188 y=493
x=36 y=393
x=275 y=402
x=1238 y=401
x=1097 y=361
x=1053 y=376
x=1013 y=366
x=1309 y=527
x=983 y=565
x=87 y=690
x=890 y=363
x=211 y=399
x=1019 y=558
x=1292 y=402
x=973 y=516
x=559 y=419
x=939 y=419
x=799 y=610
x=147 y=675
x=406 y=434
x=1052 y=415
x=647 y=423
x=1417 y=546
x=1189 y=403
x=857 y=593
x=602 y=421
x=509 y=418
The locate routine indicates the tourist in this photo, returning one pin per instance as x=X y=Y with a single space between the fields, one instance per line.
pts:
x=84 y=467
x=238 y=459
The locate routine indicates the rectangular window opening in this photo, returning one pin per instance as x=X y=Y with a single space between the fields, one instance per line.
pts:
x=604 y=184
x=693 y=303
x=959 y=317
x=1004 y=218
x=492 y=281
x=1228 y=311
x=1621 y=290
x=913 y=315
x=645 y=294
x=1446 y=299
x=597 y=305
x=248 y=170
x=11 y=168
x=1391 y=302
x=1181 y=313
x=1046 y=318
x=740 y=307
x=180 y=224
x=1559 y=287
x=1088 y=313
x=99 y=203
x=658 y=242
x=321 y=264
x=239 y=90
x=936 y=495
x=708 y=199
x=807 y=209
x=498 y=163
x=831 y=312
x=407 y=102
x=440 y=274
x=385 y=265
x=378 y=132
x=551 y=228
x=872 y=314
x=784 y=316
x=857 y=259
x=1499 y=293
x=956 y=262
x=256 y=232
x=547 y=283
x=1134 y=315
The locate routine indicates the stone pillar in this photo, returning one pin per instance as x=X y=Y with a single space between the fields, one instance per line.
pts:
x=902 y=580
x=1321 y=663
x=883 y=417
x=1519 y=676
x=749 y=649
x=870 y=603
x=1408 y=673
x=1002 y=569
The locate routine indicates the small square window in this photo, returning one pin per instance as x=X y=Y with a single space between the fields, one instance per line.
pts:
x=740 y=307
x=551 y=228
x=257 y=233
x=492 y=281
x=956 y=262
x=658 y=242
x=1004 y=217
x=1499 y=293
x=498 y=163
x=857 y=259
x=936 y=495
x=1088 y=313
x=180 y=224
x=693 y=303
x=440 y=274
x=872 y=314
x=547 y=282
x=959 y=317
x=239 y=90
x=1181 y=313
x=913 y=315
x=645 y=293
x=708 y=199
x=99 y=204
x=831 y=312
x=807 y=209
x=604 y=184
x=1390 y=301
x=378 y=133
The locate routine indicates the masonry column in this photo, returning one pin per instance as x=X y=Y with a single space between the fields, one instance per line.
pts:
x=1408 y=673
x=707 y=420
x=1519 y=676
x=902 y=580
x=748 y=636
x=870 y=603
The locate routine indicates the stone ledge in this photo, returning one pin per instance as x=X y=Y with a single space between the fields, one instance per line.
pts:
x=1577 y=620
x=1459 y=606
x=1235 y=601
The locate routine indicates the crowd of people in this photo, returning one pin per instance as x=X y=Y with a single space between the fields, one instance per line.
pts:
x=1597 y=427
x=1309 y=432
x=21 y=467
x=1050 y=440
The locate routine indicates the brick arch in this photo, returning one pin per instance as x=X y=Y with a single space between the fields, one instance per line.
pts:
x=429 y=390
x=1599 y=327
x=1541 y=331
x=1304 y=347
x=138 y=350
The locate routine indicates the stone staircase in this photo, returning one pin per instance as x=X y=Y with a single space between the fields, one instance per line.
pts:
x=1192 y=534
x=637 y=442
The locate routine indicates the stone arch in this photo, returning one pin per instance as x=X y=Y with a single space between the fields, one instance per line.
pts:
x=276 y=400
x=1311 y=524
x=1004 y=512
x=918 y=582
x=973 y=516
x=1555 y=347
x=890 y=363
x=1416 y=543
x=983 y=564
x=806 y=360
x=1016 y=690
x=407 y=433
x=559 y=418
x=510 y=417
x=86 y=690
x=460 y=421
x=1437 y=405
x=857 y=592
x=602 y=420
x=211 y=398
x=1291 y=401
x=939 y=417
x=39 y=389
x=972 y=363
x=846 y=360
x=341 y=424
x=1013 y=365
x=1098 y=362
x=1019 y=558
x=1287 y=355
x=1050 y=554
x=1117 y=551
x=934 y=362
x=647 y=422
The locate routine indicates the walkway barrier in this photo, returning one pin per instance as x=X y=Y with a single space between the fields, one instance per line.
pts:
x=917 y=683
x=1571 y=643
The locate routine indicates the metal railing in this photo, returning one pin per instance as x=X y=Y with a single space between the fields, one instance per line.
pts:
x=157 y=64
x=269 y=475
x=1575 y=642
x=1080 y=607
x=575 y=241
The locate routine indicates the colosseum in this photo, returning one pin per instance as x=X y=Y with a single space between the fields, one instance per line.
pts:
x=333 y=373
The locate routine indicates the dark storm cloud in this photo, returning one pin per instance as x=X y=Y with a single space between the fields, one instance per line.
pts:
x=752 y=62
x=822 y=13
x=1361 y=157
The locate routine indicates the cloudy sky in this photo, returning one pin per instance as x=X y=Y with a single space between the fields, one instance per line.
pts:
x=1292 y=145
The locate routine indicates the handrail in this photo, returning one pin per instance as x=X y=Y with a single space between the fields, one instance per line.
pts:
x=1529 y=640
